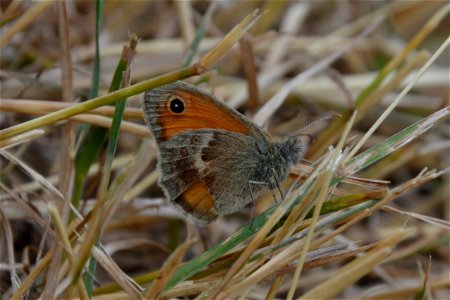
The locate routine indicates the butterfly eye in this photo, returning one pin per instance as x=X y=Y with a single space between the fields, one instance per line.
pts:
x=176 y=106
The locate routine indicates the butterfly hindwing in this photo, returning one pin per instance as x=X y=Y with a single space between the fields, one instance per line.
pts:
x=205 y=172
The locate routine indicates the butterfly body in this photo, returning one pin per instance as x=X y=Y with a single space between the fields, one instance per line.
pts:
x=213 y=160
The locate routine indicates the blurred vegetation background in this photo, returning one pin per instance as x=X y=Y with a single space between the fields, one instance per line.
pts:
x=81 y=212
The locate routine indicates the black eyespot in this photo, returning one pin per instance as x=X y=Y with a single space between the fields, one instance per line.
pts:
x=195 y=140
x=184 y=152
x=176 y=106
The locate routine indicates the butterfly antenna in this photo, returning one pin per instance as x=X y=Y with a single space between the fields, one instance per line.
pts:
x=314 y=123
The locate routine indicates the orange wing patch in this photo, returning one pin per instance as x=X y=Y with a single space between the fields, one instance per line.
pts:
x=198 y=202
x=199 y=113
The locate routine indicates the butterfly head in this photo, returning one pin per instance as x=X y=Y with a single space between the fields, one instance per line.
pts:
x=275 y=165
x=291 y=150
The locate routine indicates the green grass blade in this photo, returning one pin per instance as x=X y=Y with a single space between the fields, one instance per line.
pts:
x=95 y=80
x=393 y=143
x=118 y=81
x=82 y=164
x=197 y=264
x=199 y=35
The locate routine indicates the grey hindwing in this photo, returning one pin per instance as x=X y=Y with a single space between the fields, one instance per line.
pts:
x=225 y=161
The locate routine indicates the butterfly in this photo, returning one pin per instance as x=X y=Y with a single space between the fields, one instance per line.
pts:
x=213 y=160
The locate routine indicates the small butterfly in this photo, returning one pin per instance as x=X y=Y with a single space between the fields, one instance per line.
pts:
x=213 y=160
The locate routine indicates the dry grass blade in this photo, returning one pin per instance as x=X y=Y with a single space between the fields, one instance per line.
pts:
x=281 y=258
x=131 y=288
x=321 y=198
x=248 y=63
x=8 y=236
x=106 y=206
x=266 y=79
x=228 y=41
x=368 y=96
x=66 y=172
x=60 y=228
x=34 y=274
x=357 y=268
x=294 y=18
x=33 y=174
x=426 y=284
x=395 y=142
x=185 y=13
x=399 y=97
x=126 y=127
x=167 y=270
x=433 y=221
x=21 y=138
x=24 y=21
x=327 y=255
x=38 y=107
x=28 y=209
x=53 y=180
x=409 y=292
x=265 y=112
x=43 y=107
x=248 y=250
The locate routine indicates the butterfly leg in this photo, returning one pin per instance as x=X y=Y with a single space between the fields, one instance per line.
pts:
x=274 y=198
x=278 y=186
x=253 y=199
x=253 y=204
